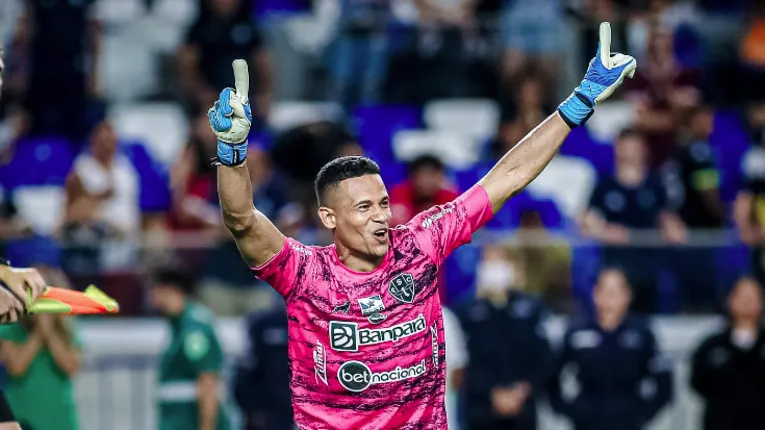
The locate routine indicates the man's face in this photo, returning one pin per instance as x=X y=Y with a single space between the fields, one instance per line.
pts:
x=359 y=213
x=224 y=7
x=703 y=123
x=631 y=151
x=746 y=300
x=427 y=181
x=163 y=298
x=103 y=141
x=612 y=295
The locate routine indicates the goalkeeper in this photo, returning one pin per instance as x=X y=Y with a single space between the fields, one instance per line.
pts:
x=366 y=333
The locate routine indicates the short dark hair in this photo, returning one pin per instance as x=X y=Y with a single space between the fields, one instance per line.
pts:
x=425 y=161
x=176 y=277
x=340 y=169
x=629 y=132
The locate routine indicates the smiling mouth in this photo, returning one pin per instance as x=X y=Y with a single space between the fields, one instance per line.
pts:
x=381 y=234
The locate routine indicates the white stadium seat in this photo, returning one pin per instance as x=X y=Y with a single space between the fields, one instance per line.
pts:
x=455 y=149
x=162 y=127
x=287 y=114
x=41 y=207
x=477 y=118
x=578 y=177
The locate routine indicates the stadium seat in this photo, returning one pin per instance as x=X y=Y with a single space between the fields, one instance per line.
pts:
x=154 y=178
x=144 y=121
x=578 y=177
x=612 y=117
x=580 y=144
x=477 y=118
x=456 y=150
x=288 y=114
x=376 y=125
x=52 y=158
x=730 y=141
x=40 y=206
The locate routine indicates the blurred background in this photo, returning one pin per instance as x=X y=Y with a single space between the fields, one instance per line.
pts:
x=105 y=178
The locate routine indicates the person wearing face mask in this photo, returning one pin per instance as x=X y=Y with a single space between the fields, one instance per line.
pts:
x=728 y=366
x=507 y=344
x=615 y=356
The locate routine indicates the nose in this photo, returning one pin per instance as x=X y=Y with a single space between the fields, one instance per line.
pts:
x=380 y=215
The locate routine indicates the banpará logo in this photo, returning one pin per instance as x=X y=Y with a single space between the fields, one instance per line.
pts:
x=320 y=362
x=346 y=336
x=437 y=216
x=356 y=376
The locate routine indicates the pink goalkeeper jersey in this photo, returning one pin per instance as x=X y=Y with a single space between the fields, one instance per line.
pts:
x=367 y=349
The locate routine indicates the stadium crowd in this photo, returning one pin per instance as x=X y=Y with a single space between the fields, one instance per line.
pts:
x=656 y=205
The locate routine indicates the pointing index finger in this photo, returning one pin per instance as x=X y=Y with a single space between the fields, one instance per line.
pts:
x=605 y=44
x=241 y=79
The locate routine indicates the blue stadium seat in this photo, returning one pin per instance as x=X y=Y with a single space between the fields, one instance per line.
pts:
x=580 y=144
x=154 y=177
x=375 y=126
x=730 y=141
x=461 y=271
x=38 y=161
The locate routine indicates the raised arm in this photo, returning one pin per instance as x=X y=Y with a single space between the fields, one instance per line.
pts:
x=256 y=236
x=533 y=153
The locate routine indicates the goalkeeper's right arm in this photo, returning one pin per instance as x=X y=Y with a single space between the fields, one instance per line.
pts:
x=256 y=236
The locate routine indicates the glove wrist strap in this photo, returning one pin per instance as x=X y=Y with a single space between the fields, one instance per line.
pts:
x=576 y=110
x=231 y=154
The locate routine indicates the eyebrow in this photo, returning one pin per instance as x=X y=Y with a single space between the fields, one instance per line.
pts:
x=363 y=202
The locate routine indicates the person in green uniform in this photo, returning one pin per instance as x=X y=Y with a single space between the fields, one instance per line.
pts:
x=188 y=391
x=41 y=354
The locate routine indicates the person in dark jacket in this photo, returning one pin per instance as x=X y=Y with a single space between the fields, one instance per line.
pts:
x=728 y=367
x=261 y=382
x=615 y=356
x=507 y=345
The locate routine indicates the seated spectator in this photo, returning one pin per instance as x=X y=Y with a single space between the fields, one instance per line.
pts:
x=521 y=115
x=622 y=210
x=614 y=355
x=223 y=32
x=660 y=91
x=724 y=363
x=103 y=186
x=427 y=186
x=693 y=183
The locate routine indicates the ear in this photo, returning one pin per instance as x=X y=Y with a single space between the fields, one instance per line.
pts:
x=327 y=217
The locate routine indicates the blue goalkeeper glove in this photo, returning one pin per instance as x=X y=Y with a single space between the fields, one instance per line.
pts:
x=605 y=74
x=231 y=118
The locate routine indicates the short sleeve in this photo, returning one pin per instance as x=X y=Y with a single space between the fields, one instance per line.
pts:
x=286 y=270
x=13 y=333
x=202 y=349
x=443 y=228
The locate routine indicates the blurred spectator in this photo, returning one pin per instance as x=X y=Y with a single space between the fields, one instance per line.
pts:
x=103 y=190
x=229 y=287
x=358 y=55
x=261 y=383
x=622 y=205
x=726 y=362
x=533 y=29
x=63 y=53
x=748 y=207
x=223 y=32
x=551 y=258
x=189 y=379
x=693 y=183
x=456 y=361
x=501 y=385
x=525 y=112
x=41 y=355
x=615 y=356
x=427 y=186
x=660 y=91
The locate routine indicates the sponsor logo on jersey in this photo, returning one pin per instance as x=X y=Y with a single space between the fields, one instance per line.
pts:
x=302 y=250
x=402 y=288
x=434 y=343
x=342 y=309
x=371 y=305
x=437 y=216
x=320 y=362
x=346 y=336
x=377 y=318
x=356 y=376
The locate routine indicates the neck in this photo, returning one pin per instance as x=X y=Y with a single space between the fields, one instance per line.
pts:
x=610 y=321
x=747 y=324
x=497 y=298
x=355 y=262
x=630 y=174
x=175 y=309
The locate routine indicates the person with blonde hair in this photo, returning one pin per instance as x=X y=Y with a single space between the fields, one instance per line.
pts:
x=41 y=354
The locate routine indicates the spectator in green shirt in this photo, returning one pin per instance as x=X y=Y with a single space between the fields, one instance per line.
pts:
x=41 y=354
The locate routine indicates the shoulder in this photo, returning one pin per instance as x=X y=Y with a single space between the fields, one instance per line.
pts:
x=199 y=317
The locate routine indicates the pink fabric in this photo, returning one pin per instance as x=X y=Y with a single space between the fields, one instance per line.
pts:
x=367 y=349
